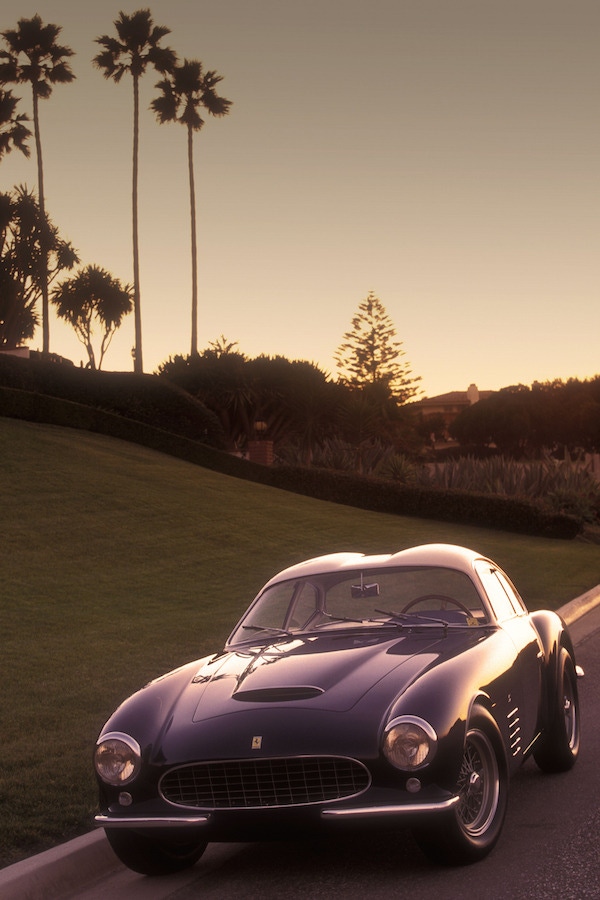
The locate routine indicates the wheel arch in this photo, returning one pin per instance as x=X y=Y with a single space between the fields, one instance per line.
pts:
x=483 y=701
x=554 y=637
x=553 y=634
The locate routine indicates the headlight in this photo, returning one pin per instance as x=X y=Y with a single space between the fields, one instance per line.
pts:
x=409 y=742
x=117 y=758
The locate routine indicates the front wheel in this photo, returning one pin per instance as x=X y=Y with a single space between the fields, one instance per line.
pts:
x=558 y=748
x=150 y=855
x=469 y=833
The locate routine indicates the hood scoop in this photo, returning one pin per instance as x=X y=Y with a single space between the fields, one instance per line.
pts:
x=278 y=694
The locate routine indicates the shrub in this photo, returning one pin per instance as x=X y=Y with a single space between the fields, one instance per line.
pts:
x=134 y=408
x=144 y=398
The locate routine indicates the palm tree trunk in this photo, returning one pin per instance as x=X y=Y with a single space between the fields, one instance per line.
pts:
x=194 y=349
x=138 y=366
x=43 y=247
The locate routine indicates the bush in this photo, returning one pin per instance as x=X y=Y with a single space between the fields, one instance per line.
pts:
x=506 y=513
x=144 y=398
x=164 y=418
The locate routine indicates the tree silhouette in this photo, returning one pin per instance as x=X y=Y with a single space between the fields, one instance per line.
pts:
x=93 y=298
x=184 y=92
x=134 y=49
x=34 y=57
x=13 y=131
x=369 y=354
x=31 y=253
x=531 y=421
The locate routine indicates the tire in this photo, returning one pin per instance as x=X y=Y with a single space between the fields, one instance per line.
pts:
x=471 y=830
x=558 y=747
x=149 y=855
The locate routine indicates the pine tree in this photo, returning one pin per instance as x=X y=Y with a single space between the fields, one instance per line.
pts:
x=369 y=355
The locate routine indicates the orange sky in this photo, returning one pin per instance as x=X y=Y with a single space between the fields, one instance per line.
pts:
x=442 y=153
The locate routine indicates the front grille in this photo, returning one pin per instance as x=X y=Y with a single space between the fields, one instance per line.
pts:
x=252 y=784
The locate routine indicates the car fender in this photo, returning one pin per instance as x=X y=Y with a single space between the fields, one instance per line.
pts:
x=446 y=695
x=554 y=636
x=147 y=713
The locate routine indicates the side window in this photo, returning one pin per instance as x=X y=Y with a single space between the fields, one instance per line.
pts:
x=512 y=592
x=500 y=600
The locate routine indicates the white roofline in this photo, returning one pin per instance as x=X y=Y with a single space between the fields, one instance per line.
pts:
x=444 y=555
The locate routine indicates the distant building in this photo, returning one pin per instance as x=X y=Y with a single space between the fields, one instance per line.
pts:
x=444 y=409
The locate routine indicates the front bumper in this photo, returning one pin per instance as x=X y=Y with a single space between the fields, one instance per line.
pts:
x=223 y=821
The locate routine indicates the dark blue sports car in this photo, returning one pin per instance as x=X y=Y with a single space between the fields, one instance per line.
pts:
x=390 y=690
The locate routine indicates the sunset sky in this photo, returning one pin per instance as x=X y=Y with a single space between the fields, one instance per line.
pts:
x=444 y=154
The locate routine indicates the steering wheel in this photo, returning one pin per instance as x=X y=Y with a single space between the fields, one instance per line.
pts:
x=426 y=597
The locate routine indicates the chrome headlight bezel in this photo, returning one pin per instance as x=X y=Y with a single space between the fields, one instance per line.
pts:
x=117 y=758
x=409 y=743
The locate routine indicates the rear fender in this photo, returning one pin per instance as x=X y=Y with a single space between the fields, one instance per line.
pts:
x=554 y=635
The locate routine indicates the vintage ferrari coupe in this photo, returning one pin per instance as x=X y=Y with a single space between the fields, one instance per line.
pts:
x=399 y=690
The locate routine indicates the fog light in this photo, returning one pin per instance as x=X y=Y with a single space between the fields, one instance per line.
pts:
x=125 y=799
x=413 y=785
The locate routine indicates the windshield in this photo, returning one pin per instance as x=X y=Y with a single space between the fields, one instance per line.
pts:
x=363 y=597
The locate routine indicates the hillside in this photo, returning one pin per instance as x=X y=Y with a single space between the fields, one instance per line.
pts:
x=120 y=563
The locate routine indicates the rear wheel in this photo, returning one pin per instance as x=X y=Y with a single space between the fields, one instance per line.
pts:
x=471 y=830
x=150 y=855
x=558 y=747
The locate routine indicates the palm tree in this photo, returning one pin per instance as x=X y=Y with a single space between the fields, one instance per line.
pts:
x=34 y=57
x=93 y=300
x=135 y=48
x=13 y=131
x=185 y=91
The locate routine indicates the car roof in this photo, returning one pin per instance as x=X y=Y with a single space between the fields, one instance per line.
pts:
x=447 y=556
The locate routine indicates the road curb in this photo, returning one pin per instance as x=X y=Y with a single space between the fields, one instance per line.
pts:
x=64 y=870
x=61 y=871
x=580 y=605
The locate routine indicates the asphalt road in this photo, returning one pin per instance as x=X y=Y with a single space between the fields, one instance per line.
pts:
x=549 y=847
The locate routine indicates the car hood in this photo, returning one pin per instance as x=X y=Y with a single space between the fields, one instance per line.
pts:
x=325 y=693
x=327 y=672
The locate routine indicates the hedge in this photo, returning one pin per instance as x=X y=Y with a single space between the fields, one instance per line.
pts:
x=148 y=410
x=144 y=398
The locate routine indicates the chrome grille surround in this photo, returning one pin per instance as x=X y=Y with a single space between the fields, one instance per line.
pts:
x=264 y=783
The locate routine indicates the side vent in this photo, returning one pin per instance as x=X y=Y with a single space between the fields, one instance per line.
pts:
x=514 y=731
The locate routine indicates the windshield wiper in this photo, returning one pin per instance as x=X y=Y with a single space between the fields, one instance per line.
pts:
x=268 y=628
x=392 y=615
x=413 y=615
x=426 y=621
x=365 y=621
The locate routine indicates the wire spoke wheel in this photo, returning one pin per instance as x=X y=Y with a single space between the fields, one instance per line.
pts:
x=471 y=830
x=478 y=784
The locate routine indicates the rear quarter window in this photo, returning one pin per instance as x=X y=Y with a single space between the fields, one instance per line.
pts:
x=504 y=600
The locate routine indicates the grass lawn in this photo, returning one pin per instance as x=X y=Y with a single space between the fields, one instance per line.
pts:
x=119 y=563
